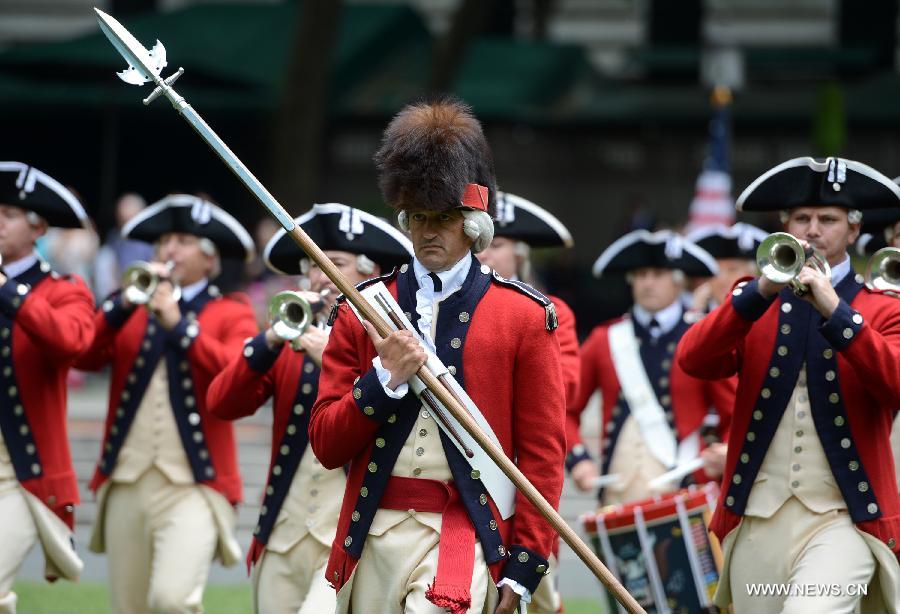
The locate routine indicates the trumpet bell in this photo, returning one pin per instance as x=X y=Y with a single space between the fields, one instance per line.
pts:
x=139 y=282
x=883 y=270
x=290 y=314
x=780 y=257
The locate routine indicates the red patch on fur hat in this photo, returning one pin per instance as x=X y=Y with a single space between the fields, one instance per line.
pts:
x=430 y=153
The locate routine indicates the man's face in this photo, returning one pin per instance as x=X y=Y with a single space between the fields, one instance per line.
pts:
x=730 y=270
x=654 y=289
x=191 y=263
x=501 y=256
x=438 y=238
x=827 y=229
x=346 y=263
x=17 y=235
x=894 y=234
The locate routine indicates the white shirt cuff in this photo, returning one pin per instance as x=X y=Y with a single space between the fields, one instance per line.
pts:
x=523 y=593
x=384 y=376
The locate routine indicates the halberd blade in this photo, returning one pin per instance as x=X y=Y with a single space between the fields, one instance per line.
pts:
x=142 y=67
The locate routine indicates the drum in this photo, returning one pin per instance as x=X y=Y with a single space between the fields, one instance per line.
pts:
x=660 y=549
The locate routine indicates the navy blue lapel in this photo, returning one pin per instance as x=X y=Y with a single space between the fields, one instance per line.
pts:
x=290 y=449
x=14 y=424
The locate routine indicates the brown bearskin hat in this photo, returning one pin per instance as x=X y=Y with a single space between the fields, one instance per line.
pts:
x=430 y=152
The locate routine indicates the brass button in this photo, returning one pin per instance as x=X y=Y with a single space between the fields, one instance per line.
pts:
x=845 y=443
x=736 y=478
x=482 y=499
x=347 y=541
x=839 y=421
x=729 y=500
x=379 y=442
x=373 y=467
x=392 y=418
x=455 y=343
x=354 y=516
x=891 y=543
x=830 y=375
x=757 y=415
x=285 y=450
x=751 y=436
x=357 y=393
x=863 y=486
x=291 y=429
x=364 y=492
x=276 y=470
x=872 y=508
x=848 y=333
x=523 y=557
x=786 y=307
x=745 y=458
x=307 y=388
x=828 y=353
x=464 y=317
x=368 y=410
x=765 y=393
x=853 y=465
x=493 y=524
x=475 y=474
x=782 y=350
x=785 y=329
x=834 y=397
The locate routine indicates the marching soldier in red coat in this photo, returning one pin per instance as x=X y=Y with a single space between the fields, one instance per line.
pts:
x=167 y=479
x=45 y=323
x=519 y=226
x=419 y=530
x=299 y=513
x=809 y=494
x=883 y=230
x=653 y=413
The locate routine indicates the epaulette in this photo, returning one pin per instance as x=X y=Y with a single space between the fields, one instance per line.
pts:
x=360 y=287
x=551 y=320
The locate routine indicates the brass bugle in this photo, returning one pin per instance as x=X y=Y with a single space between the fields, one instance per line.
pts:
x=883 y=270
x=139 y=282
x=781 y=256
x=290 y=314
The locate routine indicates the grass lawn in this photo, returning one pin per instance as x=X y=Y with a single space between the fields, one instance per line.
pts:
x=92 y=598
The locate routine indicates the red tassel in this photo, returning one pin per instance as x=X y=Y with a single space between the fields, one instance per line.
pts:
x=454 y=599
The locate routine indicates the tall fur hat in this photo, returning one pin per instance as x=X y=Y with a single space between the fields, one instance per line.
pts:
x=430 y=152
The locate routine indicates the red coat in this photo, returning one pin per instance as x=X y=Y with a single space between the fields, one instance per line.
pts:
x=689 y=399
x=510 y=369
x=203 y=350
x=47 y=321
x=249 y=380
x=569 y=355
x=853 y=377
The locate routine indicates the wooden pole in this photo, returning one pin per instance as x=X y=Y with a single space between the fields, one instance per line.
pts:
x=471 y=427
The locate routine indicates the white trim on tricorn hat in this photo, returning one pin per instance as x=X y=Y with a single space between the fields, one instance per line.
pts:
x=27 y=179
x=744 y=238
x=352 y=222
x=504 y=223
x=836 y=174
x=202 y=212
x=674 y=248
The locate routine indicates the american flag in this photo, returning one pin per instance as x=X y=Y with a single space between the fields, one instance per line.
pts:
x=712 y=203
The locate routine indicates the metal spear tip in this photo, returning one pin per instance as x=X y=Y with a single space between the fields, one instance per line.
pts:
x=143 y=65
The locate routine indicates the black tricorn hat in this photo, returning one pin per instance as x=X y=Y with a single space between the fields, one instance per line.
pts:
x=522 y=220
x=430 y=153
x=739 y=240
x=334 y=226
x=663 y=249
x=193 y=215
x=812 y=182
x=26 y=187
